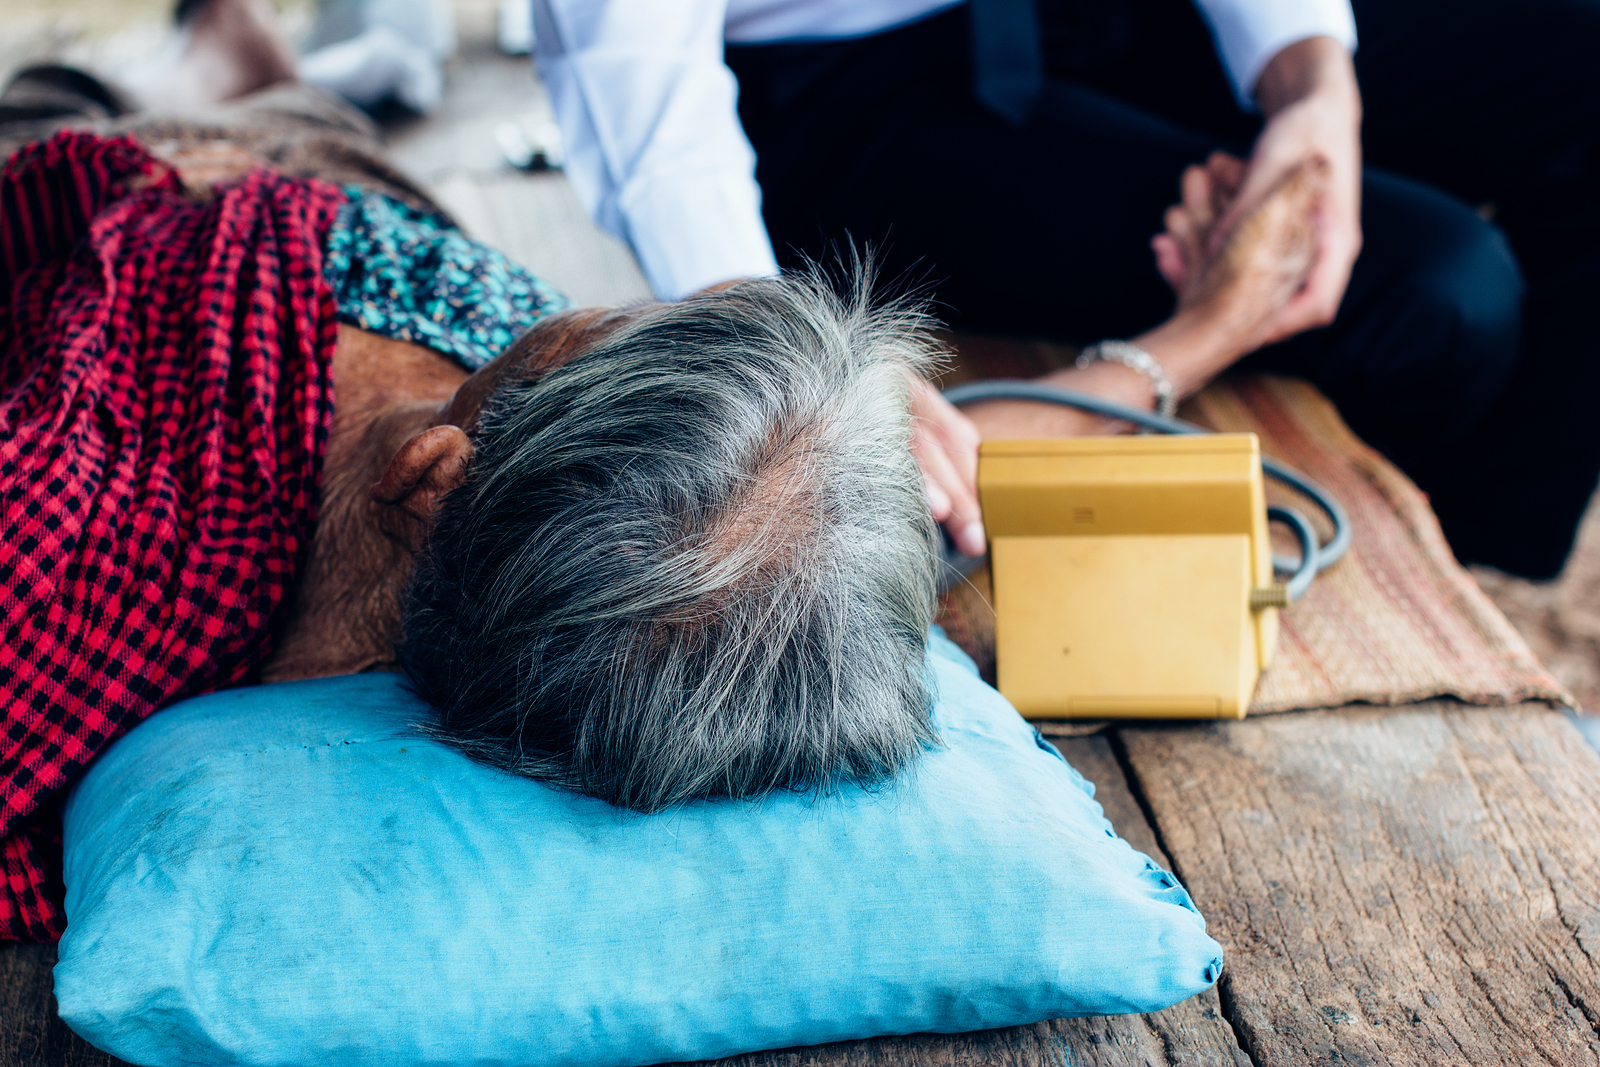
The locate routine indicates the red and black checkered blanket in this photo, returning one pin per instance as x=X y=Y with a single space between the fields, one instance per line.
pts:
x=165 y=398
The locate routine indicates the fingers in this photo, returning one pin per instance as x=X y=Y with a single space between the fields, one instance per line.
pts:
x=945 y=445
x=1206 y=192
x=938 y=500
x=1179 y=251
x=1255 y=183
x=1226 y=168
x=1227 y=175
x=961 y=516
x=950 y=428
x=1187 y=237
x=1170 y=262
x=1198 y=201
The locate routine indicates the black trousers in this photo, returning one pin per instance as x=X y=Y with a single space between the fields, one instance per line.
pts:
x=1465 y=349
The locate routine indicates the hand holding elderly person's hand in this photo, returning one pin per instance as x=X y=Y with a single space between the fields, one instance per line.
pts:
x=1238 y=288
x=1256 y=277
x=1234 y=289
x=1256 y=251
x=1309 y=96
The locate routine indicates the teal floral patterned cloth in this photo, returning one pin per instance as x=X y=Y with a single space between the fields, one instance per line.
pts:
x=411 y=275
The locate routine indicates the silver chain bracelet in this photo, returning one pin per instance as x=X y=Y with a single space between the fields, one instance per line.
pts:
x=1136 y=359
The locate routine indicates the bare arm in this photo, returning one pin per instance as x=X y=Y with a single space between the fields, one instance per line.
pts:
x=1229 y=302
x=1309 y=94
x=1257 y=252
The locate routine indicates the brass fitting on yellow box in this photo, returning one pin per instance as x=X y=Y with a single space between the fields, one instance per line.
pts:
x=1270 y=596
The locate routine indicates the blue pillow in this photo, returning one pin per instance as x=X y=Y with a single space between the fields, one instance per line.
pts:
x=288 y=874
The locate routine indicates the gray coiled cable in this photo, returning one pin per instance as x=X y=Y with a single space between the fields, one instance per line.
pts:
x=1313 y=557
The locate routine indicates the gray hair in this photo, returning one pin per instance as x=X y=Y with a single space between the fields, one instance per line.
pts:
x=694 y=561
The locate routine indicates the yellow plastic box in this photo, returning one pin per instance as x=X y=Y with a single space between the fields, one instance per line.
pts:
x=1122 y=571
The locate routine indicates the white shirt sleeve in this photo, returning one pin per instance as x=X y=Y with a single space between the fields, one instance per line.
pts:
x=1249 y=33
x=653 y=144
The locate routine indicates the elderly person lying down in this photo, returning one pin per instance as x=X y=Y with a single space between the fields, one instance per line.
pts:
x=257 y=426
x=666 y=551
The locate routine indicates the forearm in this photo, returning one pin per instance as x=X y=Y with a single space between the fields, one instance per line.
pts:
x=1317 y=68
x=1192 y=347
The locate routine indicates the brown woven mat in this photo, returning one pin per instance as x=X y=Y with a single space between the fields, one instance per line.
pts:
x=1397 y=621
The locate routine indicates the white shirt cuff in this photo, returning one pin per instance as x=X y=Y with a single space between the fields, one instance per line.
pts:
x=696 y=228
x=1249 y=33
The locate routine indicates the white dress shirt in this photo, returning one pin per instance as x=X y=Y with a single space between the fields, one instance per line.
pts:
x=648 y=108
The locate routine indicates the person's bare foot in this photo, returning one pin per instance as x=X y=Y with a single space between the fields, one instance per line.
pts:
x=224 y=49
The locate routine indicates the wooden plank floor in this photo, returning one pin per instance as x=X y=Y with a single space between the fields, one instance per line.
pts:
x=1392 y=886
x=1410 y=885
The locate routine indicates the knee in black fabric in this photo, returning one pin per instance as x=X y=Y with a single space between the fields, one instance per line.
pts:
x=1449 y=274
x=1468 y=418
x=1460 y=308
x=1427 y=337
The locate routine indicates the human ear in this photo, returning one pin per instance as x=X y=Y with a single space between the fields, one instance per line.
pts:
x=425 y=468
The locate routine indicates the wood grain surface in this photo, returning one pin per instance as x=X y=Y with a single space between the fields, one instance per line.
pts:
x=31 y=1034
x=1411 y=886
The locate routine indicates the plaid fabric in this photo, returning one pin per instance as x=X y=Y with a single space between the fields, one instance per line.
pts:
x=165 y=398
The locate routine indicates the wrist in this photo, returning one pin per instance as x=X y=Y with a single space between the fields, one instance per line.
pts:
x=1316 y=67
x=1193 y=347
x=1131 y=356
x=1112 y=381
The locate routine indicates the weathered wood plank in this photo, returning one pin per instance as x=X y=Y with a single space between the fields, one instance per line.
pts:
x=1112 y=1041
x=31 y=1034
x=1410 y=885
x=1194 y=1033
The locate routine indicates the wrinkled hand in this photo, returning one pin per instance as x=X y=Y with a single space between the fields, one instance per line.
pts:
x=945 y=444
x=1244 y=288
x=1305 y=132
x=1308 y=91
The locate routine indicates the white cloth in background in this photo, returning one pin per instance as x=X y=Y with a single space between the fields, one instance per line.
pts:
x=648 y=108
x=514 y=27
x=370 y=50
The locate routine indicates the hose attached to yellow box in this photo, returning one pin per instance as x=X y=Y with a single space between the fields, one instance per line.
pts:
x=1301 y=572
